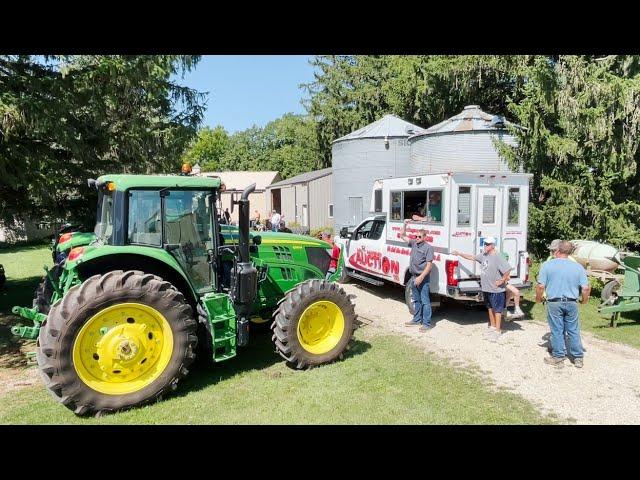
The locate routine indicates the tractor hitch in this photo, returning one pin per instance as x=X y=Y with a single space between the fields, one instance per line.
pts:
x=32 y=314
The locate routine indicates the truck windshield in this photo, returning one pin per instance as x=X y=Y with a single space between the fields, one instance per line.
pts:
x=104 y=222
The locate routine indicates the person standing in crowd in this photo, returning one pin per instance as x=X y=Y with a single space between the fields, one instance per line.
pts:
x=494 y=275
x=335 y=253
x=275 y=221
x=420 y=264
x=227 y=216
x=563 y=281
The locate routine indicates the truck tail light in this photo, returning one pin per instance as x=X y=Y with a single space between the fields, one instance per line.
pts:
x=450 y=266
x=75 y=253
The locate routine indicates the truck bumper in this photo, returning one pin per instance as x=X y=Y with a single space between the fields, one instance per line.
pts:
x=469 y=290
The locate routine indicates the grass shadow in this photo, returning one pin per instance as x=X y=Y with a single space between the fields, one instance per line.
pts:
x=12 y=349
x=260 y=354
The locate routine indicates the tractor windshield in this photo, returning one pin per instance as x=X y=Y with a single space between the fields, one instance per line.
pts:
x=104 y=222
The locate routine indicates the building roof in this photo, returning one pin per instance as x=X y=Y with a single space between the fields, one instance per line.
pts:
x=472 y=118
x=387 y=126
x=303 y=177
x=241 y=180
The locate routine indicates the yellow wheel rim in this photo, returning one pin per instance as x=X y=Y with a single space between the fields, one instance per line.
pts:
x=320 y=327
x=123 y=348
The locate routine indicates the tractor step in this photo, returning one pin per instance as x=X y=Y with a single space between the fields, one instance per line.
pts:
x=222 y=318
x=365 y=278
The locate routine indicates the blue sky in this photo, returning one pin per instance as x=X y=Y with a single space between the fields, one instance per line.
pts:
x=249 y=89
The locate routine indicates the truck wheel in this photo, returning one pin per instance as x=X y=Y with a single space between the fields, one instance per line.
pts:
x=314 y=324
x=408 y=298
x=344 y=278
x=116 y=341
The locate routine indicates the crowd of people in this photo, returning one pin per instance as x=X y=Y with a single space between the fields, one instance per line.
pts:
x=561 y=284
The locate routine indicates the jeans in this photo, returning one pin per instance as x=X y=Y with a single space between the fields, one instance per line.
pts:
x=421 y=302
x=563 y=318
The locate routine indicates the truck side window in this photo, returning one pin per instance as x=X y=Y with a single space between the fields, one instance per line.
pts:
x=513 y=215
x=364 y=230
x=396 y=206
x=378 y=201
x=376 y=230
x=414 y=203
x=464 y=206
x=434 y=209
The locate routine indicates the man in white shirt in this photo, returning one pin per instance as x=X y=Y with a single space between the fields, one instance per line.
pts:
x=275 y=221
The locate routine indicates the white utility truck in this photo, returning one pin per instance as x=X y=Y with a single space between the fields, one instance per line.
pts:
x=456 y=211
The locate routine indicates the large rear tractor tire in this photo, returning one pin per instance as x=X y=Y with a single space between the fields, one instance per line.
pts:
x=116 y=341
x=314 y=324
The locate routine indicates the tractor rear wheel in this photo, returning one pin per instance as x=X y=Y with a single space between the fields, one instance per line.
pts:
x=116 y=341
x=314 y=324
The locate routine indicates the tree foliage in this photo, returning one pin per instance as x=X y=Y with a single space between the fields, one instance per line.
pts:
x=64 y=119
x=582 y=123
x=287 y=145
x=207 y=148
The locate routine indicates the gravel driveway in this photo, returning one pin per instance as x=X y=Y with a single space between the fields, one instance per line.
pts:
x=605 y=391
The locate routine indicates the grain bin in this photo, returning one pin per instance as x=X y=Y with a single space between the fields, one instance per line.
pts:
x=376 y=151
x=461 y=143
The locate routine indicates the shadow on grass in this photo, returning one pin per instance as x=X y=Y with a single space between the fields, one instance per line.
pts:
x=15 y=292
x=258 y=355
x=7 y=248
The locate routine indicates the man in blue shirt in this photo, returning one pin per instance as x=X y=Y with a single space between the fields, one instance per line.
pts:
x=562 y=280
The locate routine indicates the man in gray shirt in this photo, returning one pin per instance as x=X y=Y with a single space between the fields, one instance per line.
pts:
x=420 y=263
x=494 y=275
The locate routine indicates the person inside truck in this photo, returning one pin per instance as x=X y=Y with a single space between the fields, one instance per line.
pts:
x=434 y=211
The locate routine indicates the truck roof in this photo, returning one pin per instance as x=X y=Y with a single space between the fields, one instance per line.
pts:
x=125 y=182
x=453 y=174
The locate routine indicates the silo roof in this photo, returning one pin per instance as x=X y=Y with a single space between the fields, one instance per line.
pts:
x=387 y=126
x=472 y=118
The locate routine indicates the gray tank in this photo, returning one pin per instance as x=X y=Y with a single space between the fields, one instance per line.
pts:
x=464 y=142
x=376 y=151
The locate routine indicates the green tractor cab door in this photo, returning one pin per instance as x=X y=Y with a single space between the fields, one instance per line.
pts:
x=181 y=222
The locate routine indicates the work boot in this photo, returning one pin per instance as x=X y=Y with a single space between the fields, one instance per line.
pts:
x=411 y=324
x=578 y=362
x=557 y=362
x=425 y=328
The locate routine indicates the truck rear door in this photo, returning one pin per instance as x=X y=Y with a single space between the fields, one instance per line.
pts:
x=489 y=221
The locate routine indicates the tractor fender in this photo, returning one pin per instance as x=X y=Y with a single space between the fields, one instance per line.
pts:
x=147 y=259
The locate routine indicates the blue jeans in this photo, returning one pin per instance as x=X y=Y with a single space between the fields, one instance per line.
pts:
x=421 y=302
x=563 y=318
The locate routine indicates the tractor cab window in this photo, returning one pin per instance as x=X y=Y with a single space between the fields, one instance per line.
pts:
x=144 y=218
x=188 y=224
x=104 y=225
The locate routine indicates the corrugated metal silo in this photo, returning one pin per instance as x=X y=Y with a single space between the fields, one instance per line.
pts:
x=376 y=151
x=464 y=142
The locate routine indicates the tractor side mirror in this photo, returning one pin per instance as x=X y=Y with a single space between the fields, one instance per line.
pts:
x=257 y=239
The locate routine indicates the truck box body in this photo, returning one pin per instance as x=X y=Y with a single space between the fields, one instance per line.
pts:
x=461 y=209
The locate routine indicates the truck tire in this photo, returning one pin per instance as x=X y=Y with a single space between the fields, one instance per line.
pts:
x=314 y=324
x=408 y=298
x=137 y=318
x=344 y=278
x=609 y=289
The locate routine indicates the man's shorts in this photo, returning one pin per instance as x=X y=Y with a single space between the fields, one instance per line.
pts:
x=495 y=301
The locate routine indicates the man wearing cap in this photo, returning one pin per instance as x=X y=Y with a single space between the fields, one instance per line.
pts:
x=553 y=247
x=494 y=275
x=564 y=282
x=420 y=263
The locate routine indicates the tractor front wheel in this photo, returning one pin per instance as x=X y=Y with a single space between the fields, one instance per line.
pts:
x=116 y=341
x=314 y=324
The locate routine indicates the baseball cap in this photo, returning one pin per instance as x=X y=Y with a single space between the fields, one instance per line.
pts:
x=554 y=245
x=490 y=240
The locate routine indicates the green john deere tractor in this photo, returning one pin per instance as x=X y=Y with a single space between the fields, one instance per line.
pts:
x=161 y=282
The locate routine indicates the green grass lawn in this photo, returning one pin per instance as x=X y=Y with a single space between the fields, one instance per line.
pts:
x=382 y=380
x=23 y=268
